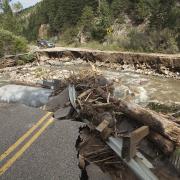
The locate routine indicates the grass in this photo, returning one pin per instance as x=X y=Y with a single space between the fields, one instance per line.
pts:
x=92 y=45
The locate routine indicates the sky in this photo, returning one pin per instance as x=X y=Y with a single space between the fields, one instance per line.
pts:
x=26 y=3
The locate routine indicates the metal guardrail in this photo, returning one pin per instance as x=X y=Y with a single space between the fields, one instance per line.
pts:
x=139 y=164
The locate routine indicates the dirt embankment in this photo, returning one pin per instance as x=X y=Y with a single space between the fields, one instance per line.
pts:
x=158 y=62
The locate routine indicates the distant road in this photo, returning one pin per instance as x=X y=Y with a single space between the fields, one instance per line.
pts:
x=59 y=49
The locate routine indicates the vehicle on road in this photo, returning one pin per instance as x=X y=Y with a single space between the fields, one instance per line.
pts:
x=45 y=44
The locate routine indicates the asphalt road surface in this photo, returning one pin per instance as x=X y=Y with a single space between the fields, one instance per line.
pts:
x=34 y=146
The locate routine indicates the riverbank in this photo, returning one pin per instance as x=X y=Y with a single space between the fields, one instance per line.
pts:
x=130 y=85
x=167 y=65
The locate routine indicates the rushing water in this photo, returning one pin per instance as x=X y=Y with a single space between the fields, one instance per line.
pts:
x=146 y=88
x=140 y=88
x=132 y=86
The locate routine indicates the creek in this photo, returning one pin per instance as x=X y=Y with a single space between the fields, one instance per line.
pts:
x=130 y=86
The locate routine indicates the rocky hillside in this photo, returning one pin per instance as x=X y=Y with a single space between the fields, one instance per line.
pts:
x=131 y=25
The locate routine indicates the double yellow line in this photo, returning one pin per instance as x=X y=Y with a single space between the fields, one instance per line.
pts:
x=11 y=161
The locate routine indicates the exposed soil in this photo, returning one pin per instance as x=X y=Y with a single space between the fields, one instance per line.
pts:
x=160 y=63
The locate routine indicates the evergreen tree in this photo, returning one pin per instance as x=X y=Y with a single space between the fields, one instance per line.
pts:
x=161 y=13
x=6 y=7
x=103 y=21
x=118 y=7
x=17 y=7
x=87 y=17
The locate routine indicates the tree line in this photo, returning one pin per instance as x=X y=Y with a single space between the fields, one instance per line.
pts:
x=95 y=19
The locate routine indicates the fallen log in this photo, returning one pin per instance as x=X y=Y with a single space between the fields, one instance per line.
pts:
x=164 y=144
x=155 y=121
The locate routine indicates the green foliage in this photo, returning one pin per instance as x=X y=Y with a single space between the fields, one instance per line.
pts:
x=10 y=23
x=103 y=22
x=6 y=7
x=17 y=6
x=58 y=14
x=28 y=58
x=67 y=18
x=87 y=18
x=155 y=41
x=136 y=41
x=8 y=20
x=11 y=44
x=69 y=36
x=118 y=7
x=162 y=14
x=164 y=41
x=142 y=10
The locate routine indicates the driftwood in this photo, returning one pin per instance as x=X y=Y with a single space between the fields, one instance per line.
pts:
x=155 y=121
x=164 y=144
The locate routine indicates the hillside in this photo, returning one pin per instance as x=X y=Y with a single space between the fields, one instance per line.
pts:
x=131 y=25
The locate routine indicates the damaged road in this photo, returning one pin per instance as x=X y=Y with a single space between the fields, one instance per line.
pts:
x=93 y=134
x=51 y=156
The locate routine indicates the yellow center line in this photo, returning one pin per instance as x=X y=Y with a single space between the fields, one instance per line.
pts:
x=22 y=138
x=11 y=161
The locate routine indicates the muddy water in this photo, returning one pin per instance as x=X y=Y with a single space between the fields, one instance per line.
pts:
x=142 y=88
x=129 y=85
x=138 y=88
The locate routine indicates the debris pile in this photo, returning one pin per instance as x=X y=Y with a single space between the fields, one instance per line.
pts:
x=121 y=140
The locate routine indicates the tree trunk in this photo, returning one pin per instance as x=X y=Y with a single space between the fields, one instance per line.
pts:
x=165 y=145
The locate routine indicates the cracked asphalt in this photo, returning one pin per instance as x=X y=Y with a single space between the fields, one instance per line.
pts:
x=52 y=156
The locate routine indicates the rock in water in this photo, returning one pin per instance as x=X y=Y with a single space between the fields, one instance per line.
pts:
x=30 y=96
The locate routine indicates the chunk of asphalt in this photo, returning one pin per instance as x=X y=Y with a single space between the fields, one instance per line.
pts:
x=59 y=101
x=63 y=112
x=51 y=84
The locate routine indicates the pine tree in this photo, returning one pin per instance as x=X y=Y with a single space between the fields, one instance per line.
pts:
x=87 y=17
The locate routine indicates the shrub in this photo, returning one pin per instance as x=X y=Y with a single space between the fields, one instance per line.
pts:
x=142 y=11
x=163 y=41
x=11 y=44
x=156 y=41
x=70 y=35
x=27 y=58
x=136 y=41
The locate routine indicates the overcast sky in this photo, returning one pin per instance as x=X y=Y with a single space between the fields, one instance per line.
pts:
x=26 y=3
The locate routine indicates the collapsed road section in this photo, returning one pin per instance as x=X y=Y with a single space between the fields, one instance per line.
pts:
x=112 y=137
x=35 y=146
x=118 y=136
x=121 y=126
x=166 y=64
